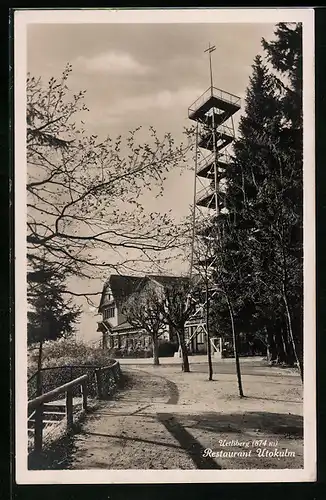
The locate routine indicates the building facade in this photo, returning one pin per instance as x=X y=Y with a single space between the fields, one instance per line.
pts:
x=118 y=333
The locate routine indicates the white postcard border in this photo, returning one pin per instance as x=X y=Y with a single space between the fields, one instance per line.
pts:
x=269 y=15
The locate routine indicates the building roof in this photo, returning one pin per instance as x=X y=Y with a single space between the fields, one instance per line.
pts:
x=167 y=280
x=122 y=286
x=126 y=328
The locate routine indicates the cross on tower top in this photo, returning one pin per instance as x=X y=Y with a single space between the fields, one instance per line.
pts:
x=210 y=49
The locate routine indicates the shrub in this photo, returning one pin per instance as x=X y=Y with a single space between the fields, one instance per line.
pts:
x=167 y=348
x=115 y=352
x=64 y=360
x=63 y=352
x=128 y=352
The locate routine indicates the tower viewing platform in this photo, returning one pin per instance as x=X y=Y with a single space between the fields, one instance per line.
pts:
x=206 y=198
x=213 y=111
x=213 y=98
x=222 y=139
x=206 y=167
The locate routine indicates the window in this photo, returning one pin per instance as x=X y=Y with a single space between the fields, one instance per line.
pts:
x=200 y=336
x=109 y=312
x=108 y=294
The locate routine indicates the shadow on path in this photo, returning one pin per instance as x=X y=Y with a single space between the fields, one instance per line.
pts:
x=191 y=446
x=135 y=439
x=56 y=457
x=278 y=424
x=277 y=400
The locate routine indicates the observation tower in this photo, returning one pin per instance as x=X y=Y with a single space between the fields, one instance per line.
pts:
x=213 y=114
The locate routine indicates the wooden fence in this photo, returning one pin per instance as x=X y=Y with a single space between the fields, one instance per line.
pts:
x=50 y=377
x=37 y=405
x=107 y=379
x=100 y=382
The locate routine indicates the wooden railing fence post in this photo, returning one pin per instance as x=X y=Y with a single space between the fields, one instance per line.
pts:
x=38 y=382
x=38 y=431
x=37 y=404
x=98 y=382
x=114 y=375
x=84 y=395
x=69 y=409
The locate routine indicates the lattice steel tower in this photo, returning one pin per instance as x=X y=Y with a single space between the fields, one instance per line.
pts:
x=213 y=114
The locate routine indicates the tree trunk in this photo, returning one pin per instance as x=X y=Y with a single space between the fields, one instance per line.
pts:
x=235 y=348
x=39 y=369
x=209 y=349
x=183 y=347
x=268 y=346
x=285 y=346
x=290 y=355
x=271 y=348
x=268 y=350
x=277 y=347
x=298 y=358
x=156 y=360
x=289 y=320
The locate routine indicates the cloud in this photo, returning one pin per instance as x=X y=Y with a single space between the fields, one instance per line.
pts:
x=112 y=62
x=141 y=109
x=161 y=100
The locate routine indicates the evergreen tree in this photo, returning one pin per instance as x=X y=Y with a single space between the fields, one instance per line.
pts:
x=246 y=178
x=260 y=240
x=52 y=315
x=285 y=54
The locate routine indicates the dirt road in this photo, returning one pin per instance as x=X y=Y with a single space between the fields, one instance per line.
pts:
x=164 y=419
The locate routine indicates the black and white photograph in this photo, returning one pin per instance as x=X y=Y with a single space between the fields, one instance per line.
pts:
x=164 y=246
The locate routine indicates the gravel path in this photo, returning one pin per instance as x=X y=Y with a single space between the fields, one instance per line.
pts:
x=165 y=419
x=122 y=435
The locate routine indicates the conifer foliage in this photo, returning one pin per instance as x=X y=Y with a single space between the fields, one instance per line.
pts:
x=259 y=240
x=53 y=315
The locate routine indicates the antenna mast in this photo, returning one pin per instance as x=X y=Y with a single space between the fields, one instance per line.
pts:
x=210 y=50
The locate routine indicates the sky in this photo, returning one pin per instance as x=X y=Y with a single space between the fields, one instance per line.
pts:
x=145 y=74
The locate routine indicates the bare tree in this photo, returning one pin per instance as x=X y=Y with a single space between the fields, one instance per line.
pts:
x=84 y=192
x=143 y=310
x=177 y=309
x=218 y=280
x=203 y=255
x=228 y=279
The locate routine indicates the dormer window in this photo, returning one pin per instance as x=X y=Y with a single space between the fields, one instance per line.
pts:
x=109 y=312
